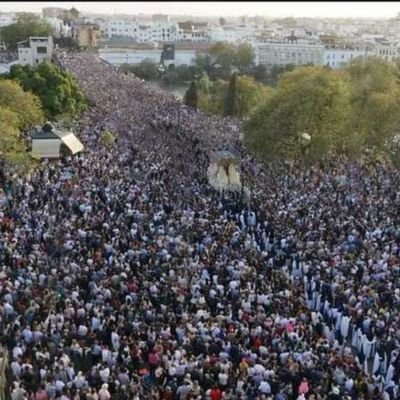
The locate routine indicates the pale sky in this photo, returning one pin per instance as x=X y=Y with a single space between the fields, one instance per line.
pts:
x=345 y=9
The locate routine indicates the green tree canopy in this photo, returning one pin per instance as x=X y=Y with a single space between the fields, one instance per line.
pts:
x=23 y=104
x=57 y=90
x=307 y=100
x=146 y=69
x=375 y=101
x=249 y=94
x=19 y=110
x=191 y=97
x=27 y=25
x=230 y=106
x=244 y=57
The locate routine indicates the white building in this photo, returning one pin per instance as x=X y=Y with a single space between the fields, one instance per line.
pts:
x=388 y=52
x=59 y=28
x=157 y=31
x=123 y=27
x=269 y=54
x=164 y=32
x=193 y=32
x=339 y=57
x=35 y=50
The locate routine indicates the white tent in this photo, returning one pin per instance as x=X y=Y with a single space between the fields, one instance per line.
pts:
x=47 y=143
x=70 y=140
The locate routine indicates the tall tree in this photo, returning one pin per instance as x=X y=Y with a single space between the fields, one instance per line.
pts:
x=191 y=97
x=307 y=100
x=223 y=57
x=244 y=57
x=230 y=98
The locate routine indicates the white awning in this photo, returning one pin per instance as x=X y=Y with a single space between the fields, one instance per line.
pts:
x=70 y=140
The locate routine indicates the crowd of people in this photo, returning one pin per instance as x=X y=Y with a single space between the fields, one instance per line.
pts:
x=124 y=275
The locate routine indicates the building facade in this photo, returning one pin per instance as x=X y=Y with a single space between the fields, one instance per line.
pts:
x=387 y=52
x=85 y=35
x=35 y=50
x=270 y=54
x=338 y=57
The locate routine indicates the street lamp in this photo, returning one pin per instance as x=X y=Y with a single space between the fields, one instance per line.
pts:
x=304 y=142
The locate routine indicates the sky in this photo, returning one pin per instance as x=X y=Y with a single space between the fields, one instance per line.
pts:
x=345 y=9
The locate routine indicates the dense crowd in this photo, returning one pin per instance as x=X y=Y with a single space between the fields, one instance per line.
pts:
x=124 y=275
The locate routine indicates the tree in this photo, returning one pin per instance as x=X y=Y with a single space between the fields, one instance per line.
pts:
x=249 y=94
x=57 y=90
x=9 y=133
x=244 y=57
x=375 y=101
x=23 y=104
x=146 y=69
x=230 y=98
x=307 y=100
x=259 y=72
x=191 y=97
x=108 y=138
x=223 y=57
x=74 y=13
x=19 y=111
x=27 y=25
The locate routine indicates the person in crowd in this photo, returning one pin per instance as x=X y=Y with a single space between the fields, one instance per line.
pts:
x=125 y=275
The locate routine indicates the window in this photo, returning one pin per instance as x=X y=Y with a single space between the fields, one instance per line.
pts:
x=42 y=50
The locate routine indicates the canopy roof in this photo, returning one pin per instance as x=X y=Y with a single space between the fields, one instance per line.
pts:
x=48 y=131
x=70 y=140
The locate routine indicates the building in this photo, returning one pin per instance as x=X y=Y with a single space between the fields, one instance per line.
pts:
x=193 y=31
x=124 y=27
x=35 y=50
x=270 y=54
x=85 y=35
x=335 y=57
x=156 y=31
x=164 y=32
x=387 y=51
x=60 y=29
x=49 y=142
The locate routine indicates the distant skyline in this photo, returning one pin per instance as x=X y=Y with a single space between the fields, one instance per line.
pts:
x=345 y=9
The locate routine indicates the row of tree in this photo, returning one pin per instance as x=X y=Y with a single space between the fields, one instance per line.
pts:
x=347 y=111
